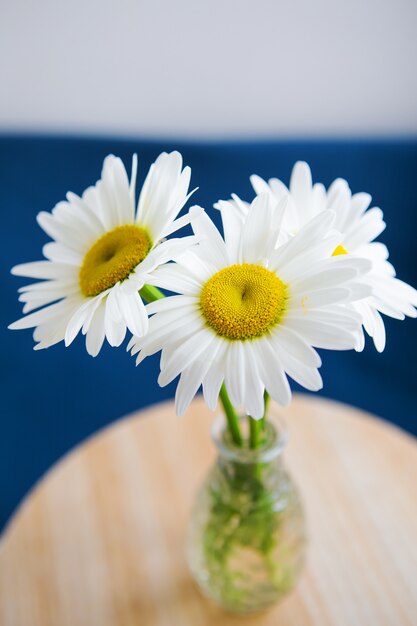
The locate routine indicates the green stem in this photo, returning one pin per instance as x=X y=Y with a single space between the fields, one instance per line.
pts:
x=255 y=432
x=257 y=427
x=231 y=417
x=151 y=293
x=267 y=399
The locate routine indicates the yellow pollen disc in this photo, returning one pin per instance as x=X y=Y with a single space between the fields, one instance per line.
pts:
x=113 y=257
x=243 y=301
x=339 y=250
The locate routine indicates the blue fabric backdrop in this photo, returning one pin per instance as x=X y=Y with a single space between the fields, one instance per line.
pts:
x=51 y=400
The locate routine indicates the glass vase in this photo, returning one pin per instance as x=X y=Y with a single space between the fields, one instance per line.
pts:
x=246 y=536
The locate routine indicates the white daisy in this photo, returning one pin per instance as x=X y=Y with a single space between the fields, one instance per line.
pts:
x=248 y=314
x=359 y=226
x=102 y=254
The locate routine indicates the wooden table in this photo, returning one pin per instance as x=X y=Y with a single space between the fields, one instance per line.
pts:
x=99 y=542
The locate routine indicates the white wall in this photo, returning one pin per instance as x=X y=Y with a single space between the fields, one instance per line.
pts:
x=209 y=68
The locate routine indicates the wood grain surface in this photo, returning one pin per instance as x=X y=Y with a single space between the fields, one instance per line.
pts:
x=100 y=541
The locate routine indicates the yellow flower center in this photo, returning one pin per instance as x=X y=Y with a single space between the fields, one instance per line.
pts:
x=243 y=301
x=339 y=250
x=113 y=257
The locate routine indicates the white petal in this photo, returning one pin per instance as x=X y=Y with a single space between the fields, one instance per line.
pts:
x=368 y=228
x=359 y=291
x=175 y=279
x=170 y=319
x=385 y=308
x=318 y=298
x=170 y=303
x=192 y=377
x=235 y=373
x=45 y=292
x=46 y=315
x=404 y=290
x=327 y=278
x=232 y=226
x=181 y=221
x=394 y=293
x=303 y=263
x=163 y=194
x=112 y=303
x=297 y=346
x=44 y=270
x=345 y=317
x=134 y=313
x=186 y=354
x=321 y=334
x=304 y=375
x=53 y=331
x=379 y=331
x=115 y=328
x=116 y=185
x=132 y=185
x=338 y=195
x=96 y=333
x=301 y=189
x=213 y=380
x=261 y=229
x=358 y=205
x=315 y=230
x=79 y=318
x=71 y=233
x=77 y=214
x=61 y=254
x=205 y=230
x=260 y=186
x=278 y=188
x=360 y=341
x=271 y=372
x=181 y=329
x=254 y=389
x=196 y=264
x=169 y=250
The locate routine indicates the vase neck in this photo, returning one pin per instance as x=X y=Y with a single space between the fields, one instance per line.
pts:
x=274 y=441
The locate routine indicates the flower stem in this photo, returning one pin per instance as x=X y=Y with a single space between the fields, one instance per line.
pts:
x=151 y=293
x=231 y=416
x=255 y=432
x=256 y=427
x=267 y=398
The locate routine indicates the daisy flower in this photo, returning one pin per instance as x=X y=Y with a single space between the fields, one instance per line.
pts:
x=102 y=254
x=360 y=226
x=248 y=313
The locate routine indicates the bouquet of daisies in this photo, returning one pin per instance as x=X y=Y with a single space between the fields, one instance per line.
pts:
x=294 y=270
x=235 y=313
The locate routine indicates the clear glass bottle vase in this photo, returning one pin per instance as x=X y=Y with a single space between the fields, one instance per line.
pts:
x=246 y=536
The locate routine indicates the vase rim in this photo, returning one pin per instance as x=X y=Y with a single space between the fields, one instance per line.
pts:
x=273 y=447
